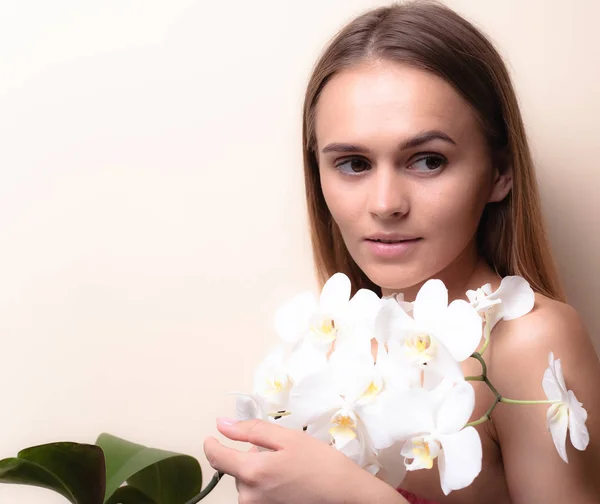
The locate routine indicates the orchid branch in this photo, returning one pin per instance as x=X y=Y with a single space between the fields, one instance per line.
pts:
x=497 y=397
x=487 y=335
x=211 y=485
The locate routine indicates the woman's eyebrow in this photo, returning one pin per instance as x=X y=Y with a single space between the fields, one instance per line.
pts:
x=411 y=143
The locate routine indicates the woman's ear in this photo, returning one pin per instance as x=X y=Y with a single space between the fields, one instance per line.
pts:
x=502 y=185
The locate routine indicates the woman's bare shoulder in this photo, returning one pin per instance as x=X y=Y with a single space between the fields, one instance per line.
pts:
x=520 y=348
x=517 y=359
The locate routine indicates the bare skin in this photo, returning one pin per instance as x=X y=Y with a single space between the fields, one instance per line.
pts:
x=520 y=462
x=420 y=167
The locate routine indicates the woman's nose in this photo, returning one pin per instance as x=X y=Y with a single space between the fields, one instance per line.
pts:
x=388 y=195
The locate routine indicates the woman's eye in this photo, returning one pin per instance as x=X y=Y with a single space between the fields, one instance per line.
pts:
x=353 y=166
x=430 y=163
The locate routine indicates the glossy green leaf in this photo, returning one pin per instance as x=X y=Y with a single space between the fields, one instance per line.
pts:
x=74 y=470
x=165 y=477
x=129 y=495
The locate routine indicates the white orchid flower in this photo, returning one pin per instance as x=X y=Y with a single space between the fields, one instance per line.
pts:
x=250 y=407
x=513 y=299
x=566 y=414
x=392 y=366
x=272 y=383
x=391 y=465
x=253 y=407
x=277 y=374
x=338 y=404
x=437 y=337
x=322 y=322
x=433 y=423
x=407 y=306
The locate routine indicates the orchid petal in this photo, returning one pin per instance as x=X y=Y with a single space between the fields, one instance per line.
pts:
x=366 y=303
x=314 y=396
x=248 y=407
x=578 y=432
x=392 y=469
x=460 y=460
x=370 y=416
x=342 y=436
x=271 y=381
x=272 y=363
x=335 y=294
x=289 y=421
x=444 y=365
x=353 y=449
x=421 y=451
x=323 y=332
x=558 y=421
x=397 y=374
x=460 y=329
x=352 y=370
x=517 y=297
x=480 y=298
x=319 y=428
x=304 y=361
x=430 y=379
x=439 y=394
x=551 y=387
x=558 y=373
x=493 y=305
x=407 y=306
x=392 y=322
x=472 y=296
x=456 y=408
x=407 y=413
x=291 y=319
x=431 y=301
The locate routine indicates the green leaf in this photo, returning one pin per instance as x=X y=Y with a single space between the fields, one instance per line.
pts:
x=74 y=470
x=129 y=495
x=163 y=476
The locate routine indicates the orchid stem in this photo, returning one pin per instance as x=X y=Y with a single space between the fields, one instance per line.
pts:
x=211 y=485
x=474 y=378
x=483 y=377
x=519 y=401
x=477 y=356
x=487 y=336
x=497 y=397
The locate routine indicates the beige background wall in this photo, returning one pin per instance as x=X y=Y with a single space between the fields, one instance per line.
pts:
x=151 y=207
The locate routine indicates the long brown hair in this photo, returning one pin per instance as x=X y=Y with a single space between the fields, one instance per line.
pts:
x=430 y=36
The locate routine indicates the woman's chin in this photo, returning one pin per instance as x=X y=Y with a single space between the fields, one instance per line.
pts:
x=393 y=281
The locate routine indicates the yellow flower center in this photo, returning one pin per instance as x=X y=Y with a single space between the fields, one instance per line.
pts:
x=372 y=390
x=343 y=429
x=344 y=421
x=422 y=452
x=278 y=384
x=421 y=347
x=326 y=329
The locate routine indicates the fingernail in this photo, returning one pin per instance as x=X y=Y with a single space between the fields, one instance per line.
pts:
x=226 y=422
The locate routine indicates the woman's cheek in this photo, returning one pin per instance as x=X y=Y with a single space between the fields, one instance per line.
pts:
x=449 y=224
x=345 y=210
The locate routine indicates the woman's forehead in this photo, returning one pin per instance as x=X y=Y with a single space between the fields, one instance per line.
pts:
x=376 y=100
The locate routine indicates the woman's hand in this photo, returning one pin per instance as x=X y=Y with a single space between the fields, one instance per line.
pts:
x=299 y=469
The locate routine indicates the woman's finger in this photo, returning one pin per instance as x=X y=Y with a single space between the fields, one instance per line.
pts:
x=257 y=432
x=224 y=459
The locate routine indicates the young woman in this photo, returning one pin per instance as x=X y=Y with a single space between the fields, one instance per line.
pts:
x=417 y=167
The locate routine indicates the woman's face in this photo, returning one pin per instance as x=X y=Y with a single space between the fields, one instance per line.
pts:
x=405 y=171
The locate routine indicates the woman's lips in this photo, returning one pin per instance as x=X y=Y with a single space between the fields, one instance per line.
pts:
x=390 y=249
